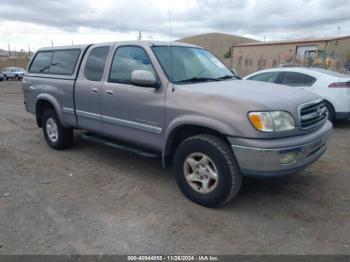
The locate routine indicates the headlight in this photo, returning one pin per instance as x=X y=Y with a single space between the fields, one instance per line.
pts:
x=274 y=121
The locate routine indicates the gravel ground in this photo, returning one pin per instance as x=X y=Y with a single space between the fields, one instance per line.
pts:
x=95 y=200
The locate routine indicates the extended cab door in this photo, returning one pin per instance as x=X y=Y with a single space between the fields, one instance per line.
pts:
x=132 y=113
x=88 y=88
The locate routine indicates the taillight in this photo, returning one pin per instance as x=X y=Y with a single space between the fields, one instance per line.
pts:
x=340 y=85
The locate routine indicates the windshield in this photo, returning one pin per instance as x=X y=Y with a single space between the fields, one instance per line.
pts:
x=191 y=64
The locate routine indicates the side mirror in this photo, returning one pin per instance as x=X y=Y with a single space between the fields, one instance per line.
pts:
x=143 y=78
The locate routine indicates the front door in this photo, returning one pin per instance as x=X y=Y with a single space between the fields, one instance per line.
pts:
x=88 y=89
x=130 y=112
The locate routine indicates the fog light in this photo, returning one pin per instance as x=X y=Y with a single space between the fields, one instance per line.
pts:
x=288 y=158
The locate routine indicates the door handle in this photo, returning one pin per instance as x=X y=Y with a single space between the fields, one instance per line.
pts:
x=109 y=92
x=94 y=90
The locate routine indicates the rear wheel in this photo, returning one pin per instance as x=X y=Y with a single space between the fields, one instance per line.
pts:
x=331 y=112
x=57 y=136
x=206 y=170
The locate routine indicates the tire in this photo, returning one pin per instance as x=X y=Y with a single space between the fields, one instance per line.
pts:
x=221 y=160
x=57 y=136
x=331 y=112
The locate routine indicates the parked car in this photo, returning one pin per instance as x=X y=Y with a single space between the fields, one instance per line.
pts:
x=13 y=73
x=2 y=77
x=333 y=87
x=178 y=102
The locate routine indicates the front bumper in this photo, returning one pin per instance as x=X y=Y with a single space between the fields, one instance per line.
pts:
x=264 y=158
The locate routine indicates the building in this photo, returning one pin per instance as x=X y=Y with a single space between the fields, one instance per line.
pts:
x=330 y=53
x=217 y=43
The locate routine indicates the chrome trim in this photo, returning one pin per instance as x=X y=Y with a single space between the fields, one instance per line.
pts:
x=118 y=121
x=132 y=124
x=68 y=110
x=300 y=107
x=88 y=114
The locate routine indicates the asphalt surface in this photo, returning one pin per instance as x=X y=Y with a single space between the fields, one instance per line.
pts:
x=95 y=200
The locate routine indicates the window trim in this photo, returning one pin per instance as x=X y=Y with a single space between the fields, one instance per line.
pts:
x=106 y=62
x=53 y=52
x=130 y=84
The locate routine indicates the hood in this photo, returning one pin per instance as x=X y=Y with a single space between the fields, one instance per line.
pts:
x=267 y=95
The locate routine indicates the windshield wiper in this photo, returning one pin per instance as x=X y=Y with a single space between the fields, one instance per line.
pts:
x=198 y=79
x=227 y=77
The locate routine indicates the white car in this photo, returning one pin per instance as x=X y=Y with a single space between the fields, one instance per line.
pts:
x=16 y=73
x=333 y=87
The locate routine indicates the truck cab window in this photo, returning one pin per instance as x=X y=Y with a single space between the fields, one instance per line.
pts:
x=126 y=60
x=95 y=63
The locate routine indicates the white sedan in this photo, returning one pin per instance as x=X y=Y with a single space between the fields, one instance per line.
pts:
x=333 y=87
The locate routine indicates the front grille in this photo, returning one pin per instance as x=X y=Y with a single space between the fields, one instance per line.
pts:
x=312 y=114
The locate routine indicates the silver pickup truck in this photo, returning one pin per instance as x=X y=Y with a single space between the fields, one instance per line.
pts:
x=180 y=103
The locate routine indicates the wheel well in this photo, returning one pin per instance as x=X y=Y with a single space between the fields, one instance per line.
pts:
x=328 y=102
x=41 y=106
x=180 y=134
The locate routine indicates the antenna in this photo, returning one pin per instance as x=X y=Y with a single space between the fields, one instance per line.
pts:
x=170 y=29
x=170 y=49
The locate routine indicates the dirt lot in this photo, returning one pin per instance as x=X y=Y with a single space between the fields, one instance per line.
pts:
x=95 y=200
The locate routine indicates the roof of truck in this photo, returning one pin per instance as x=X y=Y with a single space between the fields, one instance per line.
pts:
x=136 y=42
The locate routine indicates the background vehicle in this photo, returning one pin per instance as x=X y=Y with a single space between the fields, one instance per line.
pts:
x=179 y=102
x=2 y=77
x=13 y=73
x=332 y=86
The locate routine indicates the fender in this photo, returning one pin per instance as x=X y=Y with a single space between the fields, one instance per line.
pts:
x=196 y=120
x=53 y=101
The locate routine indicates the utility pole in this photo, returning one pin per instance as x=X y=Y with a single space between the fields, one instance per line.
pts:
x=9 y=49
x=51 y=43
x=139 y=37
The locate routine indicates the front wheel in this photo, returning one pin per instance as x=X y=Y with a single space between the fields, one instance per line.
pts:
x=206 y=170
x=57 y=136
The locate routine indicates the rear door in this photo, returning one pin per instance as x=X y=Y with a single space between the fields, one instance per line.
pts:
x=88 y=88
x=129 y=112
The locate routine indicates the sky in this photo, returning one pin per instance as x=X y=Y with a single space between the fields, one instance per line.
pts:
x=33 y=24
